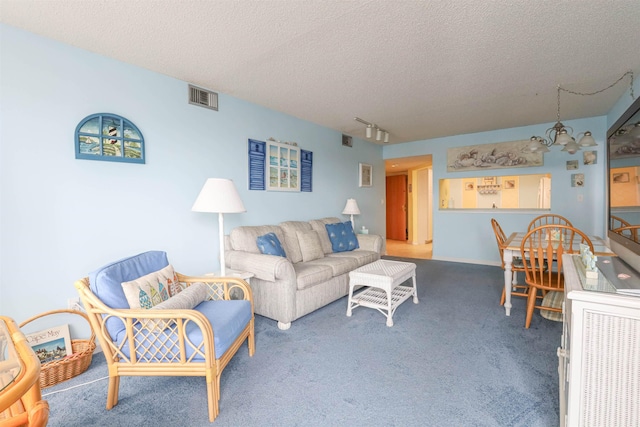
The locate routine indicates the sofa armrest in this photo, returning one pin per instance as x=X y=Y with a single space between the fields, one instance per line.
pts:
x=265 y=267
x=370 y=242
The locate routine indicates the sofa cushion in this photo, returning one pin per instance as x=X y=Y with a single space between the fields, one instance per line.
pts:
x=339 y=265
x=362 y=257
x=149 y=290
x=319 y=226
x=290 y=230
x=342 y=237
x=269 y=244
x=310 y=245
x=309 y=274
x=244 y=238
x=227 y=318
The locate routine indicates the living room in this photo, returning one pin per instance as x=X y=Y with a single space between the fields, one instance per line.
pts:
x=63 y=217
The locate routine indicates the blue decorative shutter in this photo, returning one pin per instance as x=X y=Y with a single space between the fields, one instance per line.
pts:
x=256 y=164
x=306 y=170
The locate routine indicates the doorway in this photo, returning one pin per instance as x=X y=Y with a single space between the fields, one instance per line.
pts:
x=409 y=191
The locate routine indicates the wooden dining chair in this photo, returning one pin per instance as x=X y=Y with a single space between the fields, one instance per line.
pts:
x=520 y=290
x=545 y=245
x=629 y=231
x=548 y=219
x=617 y=222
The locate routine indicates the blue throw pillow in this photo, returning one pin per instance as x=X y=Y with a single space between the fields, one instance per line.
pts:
x=342 y=237
x=270 y=245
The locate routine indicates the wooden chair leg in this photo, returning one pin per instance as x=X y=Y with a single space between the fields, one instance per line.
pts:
x=112 y=394
x=251 y=340
x=531 y=302
x=213 y=397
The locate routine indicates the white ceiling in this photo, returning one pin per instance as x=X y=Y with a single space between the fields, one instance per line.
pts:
x=419 y=69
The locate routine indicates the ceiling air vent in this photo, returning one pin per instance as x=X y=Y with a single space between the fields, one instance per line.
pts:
x=203 y=98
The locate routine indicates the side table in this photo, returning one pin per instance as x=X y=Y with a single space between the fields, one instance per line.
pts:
x=244 y=275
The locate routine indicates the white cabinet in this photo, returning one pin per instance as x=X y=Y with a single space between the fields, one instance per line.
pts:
x=599 y=357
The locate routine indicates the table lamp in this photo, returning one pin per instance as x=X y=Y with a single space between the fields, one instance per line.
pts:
x=219 y=195
x=351 y=208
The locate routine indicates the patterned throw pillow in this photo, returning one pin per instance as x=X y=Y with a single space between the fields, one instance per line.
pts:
x=151 y=289
x=270 y=245
x=310 y=245
x=342 y=237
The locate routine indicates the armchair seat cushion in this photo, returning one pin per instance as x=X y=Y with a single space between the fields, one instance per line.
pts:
x=227 y=318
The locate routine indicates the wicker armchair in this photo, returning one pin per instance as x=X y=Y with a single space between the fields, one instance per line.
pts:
x=172 y=342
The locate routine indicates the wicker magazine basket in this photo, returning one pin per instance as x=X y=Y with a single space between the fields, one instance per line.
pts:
x=51 y=373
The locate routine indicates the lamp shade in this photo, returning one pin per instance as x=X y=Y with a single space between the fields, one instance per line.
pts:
x=351 y=208
x=571 y=147
x=587 y=140
x=218 y=195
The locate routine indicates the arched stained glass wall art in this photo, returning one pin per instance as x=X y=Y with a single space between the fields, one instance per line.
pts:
x=109 y=137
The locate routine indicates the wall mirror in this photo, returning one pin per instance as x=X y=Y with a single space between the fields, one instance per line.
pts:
x=624 y=178
x=496 y=192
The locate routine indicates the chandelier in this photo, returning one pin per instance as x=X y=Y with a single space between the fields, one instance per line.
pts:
x=381 y=134
x=559 y=134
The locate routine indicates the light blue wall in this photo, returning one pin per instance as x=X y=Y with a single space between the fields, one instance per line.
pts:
x=62 y=217
x=467 y=236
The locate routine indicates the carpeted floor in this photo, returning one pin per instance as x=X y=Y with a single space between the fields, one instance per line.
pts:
x=454 y=359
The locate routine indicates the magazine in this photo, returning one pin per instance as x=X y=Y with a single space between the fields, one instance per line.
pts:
x=51 y=344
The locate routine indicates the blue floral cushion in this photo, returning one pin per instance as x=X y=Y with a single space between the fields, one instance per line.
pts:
x=342 y=237
x=270 y=245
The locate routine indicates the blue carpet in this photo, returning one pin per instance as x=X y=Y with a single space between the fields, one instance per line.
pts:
x=454 y=359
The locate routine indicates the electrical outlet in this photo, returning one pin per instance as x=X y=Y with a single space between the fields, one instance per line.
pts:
x=74 y=304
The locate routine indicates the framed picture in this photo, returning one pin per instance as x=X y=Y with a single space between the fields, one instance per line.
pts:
x=109 y=137
x=577 y=180
x=572 y=164
x=618 y=178
x=283 y=167
x=489 y=180
x=365 y=174
x=590 y=157
x=51 y=344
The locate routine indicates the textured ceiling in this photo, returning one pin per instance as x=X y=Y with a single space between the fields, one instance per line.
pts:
x=419 y=69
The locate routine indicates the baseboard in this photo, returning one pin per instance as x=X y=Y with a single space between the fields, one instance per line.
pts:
x=468 y=261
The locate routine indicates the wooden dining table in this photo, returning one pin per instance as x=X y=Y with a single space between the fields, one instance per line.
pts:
x=512 y=248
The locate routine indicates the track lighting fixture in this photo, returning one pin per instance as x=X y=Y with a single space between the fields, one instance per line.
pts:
x=381 y=134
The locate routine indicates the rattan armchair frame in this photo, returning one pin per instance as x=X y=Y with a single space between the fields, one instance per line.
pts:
x=149 y=357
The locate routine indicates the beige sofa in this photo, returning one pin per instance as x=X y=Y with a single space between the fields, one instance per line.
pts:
x=311 y=275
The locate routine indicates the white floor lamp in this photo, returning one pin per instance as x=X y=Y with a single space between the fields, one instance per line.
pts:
x=219 y=196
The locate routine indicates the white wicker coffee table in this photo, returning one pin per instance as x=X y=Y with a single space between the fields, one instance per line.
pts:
x=384 y=292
